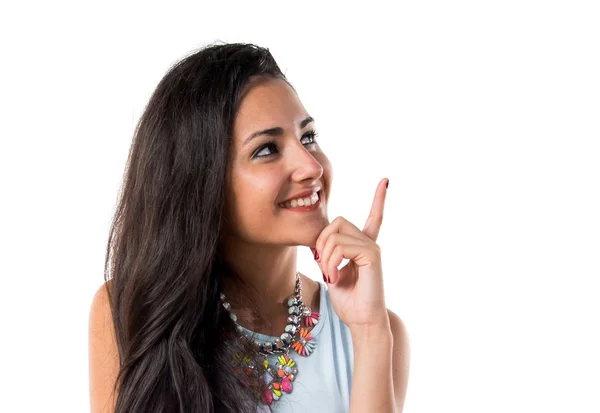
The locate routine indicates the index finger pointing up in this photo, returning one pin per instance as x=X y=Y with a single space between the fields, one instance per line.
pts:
x=375 y=218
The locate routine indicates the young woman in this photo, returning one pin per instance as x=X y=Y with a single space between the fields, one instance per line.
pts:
x=203 y=309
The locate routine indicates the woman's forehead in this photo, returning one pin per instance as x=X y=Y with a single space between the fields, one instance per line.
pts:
x=268 y=105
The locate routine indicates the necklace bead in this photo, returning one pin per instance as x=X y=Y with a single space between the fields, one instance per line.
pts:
x=279 y=377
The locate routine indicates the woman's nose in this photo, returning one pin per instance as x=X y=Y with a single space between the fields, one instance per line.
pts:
x=306 y=165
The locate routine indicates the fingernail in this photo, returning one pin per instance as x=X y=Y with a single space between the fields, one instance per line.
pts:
x=324 y=278
x=317 y=256
x=387 y=183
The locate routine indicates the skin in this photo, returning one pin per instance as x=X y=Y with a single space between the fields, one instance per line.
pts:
x=261 y=242
x=261 y=237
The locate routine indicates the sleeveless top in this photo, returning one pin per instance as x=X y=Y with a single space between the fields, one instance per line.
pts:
x=324 y=378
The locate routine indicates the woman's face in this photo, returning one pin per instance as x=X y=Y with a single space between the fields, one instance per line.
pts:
x=262 y=175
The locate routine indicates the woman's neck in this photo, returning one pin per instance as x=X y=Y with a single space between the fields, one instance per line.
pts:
x=267 y=278
x=268 y=271
x=275 y=317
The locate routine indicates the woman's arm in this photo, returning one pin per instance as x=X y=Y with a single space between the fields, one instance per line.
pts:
x=381 y=364
x=400 y=359
x=103 y=354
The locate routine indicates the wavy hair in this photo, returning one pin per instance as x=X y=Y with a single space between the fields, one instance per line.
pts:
x=164 y=263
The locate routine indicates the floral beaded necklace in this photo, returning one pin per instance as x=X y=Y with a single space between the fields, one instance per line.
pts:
x=279 y=377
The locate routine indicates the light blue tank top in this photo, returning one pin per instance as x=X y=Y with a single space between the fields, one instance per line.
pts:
x=324 y=378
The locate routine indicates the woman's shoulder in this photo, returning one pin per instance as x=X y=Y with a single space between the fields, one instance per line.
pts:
x=103 y=353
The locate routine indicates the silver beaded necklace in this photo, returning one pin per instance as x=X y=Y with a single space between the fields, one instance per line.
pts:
x=279 y=377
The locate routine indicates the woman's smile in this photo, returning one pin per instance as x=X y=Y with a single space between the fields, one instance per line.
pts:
x=306 y=204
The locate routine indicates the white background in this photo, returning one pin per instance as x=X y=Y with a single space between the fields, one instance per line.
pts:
x=484 y=115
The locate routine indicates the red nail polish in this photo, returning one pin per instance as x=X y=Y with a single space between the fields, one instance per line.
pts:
x=324 y=279
x=387 y=183
x=317 y=256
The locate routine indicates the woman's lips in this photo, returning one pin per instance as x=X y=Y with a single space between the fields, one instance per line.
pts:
x=308 y=208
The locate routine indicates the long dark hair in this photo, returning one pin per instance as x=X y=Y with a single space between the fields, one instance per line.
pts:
x=164 y=263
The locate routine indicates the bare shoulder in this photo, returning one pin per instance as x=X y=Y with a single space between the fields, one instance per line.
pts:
x=400 y=358
x=397 y=325
x=103 y=353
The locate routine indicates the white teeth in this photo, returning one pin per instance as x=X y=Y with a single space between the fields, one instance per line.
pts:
x=301 y=201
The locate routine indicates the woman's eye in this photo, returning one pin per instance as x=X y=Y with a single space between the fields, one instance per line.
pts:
x=262 y=148
x=311 y=135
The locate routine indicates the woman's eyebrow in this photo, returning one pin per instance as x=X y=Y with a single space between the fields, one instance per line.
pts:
x=277 y=131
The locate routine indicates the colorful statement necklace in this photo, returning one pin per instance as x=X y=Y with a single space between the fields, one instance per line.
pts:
x=279 y=377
